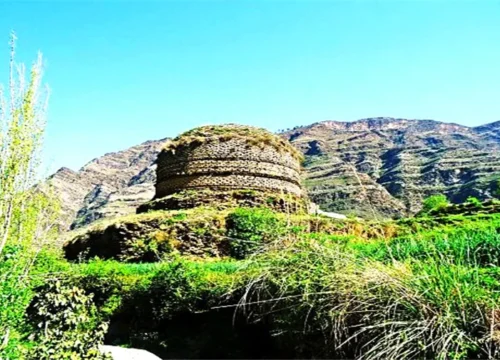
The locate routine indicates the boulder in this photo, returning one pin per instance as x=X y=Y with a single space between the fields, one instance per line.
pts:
x=119 y=353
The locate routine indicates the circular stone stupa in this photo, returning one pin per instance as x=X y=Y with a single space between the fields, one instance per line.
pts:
x=228 y=164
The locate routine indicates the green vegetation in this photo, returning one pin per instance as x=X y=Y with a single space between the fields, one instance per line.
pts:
x=418 y=288
x=422 y=287
x=426 y=308
x=435 y=202
x=28 y=213
x=205 y=232
x=250 y=229
x=474 y=201
x=204 y=308
x=64 y=324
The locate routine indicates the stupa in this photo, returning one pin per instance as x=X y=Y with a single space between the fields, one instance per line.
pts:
x=228 y=165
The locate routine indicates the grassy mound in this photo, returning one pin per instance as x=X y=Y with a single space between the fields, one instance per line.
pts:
x=206 y=232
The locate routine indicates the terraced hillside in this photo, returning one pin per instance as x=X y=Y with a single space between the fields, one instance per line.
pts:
x=374 y=168
x=386 y=166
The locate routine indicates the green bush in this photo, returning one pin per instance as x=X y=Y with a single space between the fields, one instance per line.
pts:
x=435 y=202
x=474 y=201
x=110 y=281
x=15 y=294
x=180 y=286
x=114 y=284
x=152 y=306
x=16 y=290
x=250 y=228
x=64 y=324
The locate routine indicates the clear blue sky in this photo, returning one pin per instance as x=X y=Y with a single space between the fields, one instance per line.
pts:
x=122 y=72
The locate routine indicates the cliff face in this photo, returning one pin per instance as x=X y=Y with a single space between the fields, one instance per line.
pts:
x=372 y=167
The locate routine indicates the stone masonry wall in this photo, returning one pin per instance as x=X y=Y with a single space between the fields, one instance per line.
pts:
x=226 y=165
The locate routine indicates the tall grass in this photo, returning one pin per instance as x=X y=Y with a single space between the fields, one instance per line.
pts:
x=431 y=295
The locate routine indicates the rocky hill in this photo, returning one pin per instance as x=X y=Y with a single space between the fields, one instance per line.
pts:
x=112 y=185
x=373 y=167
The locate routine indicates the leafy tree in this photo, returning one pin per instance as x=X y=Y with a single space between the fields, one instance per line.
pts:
x=28 y=213
x=435 y=202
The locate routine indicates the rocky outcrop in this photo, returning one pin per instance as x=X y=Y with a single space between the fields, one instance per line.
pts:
x=375 y=167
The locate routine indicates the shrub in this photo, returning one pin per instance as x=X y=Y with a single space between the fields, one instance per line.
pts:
x=249 y=228
x=64 y=325
x=183 y=286
x=153 y=306
x=116 y=285
x=435 y=202
x=474 y=201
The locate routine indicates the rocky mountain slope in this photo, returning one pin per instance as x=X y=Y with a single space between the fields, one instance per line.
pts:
x=373 y=167
x=112 y=185
x=386 y=166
